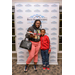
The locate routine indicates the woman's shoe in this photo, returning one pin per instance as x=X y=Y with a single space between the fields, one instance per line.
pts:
x=35 y=68
x=26 y=68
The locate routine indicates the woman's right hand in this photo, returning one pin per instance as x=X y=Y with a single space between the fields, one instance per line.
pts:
x=32 y=36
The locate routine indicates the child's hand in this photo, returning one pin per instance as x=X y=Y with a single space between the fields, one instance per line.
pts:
x=48 y=52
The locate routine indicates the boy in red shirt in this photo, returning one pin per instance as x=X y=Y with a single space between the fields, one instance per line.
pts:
x=45 y=49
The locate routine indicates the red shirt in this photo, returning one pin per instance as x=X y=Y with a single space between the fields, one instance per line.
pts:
x=45 y=43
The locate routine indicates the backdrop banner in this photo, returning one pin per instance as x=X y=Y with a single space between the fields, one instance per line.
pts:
x=25 y=15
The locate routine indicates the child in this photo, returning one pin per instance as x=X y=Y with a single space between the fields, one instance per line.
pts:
x=45 y=49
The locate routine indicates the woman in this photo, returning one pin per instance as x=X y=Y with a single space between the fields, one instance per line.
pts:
x=35 y=39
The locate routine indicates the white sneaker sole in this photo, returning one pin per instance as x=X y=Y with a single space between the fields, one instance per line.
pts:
x=25 y=70
x=35 y=69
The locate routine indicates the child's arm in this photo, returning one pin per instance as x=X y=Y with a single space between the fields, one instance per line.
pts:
x=49 y=45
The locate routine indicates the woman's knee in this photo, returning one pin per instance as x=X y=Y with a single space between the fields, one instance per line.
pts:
x=31 y=56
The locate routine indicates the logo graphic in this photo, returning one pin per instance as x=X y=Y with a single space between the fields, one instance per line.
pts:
x=45 y=10
x=21 y=60
x=54 y=5
x=19 y=17
x=20 y=28
x=52 y=60
x=54 y=10
x=53 y=34
x=46 y=28
x=46 y=34
x=53 y=38
x=45 y=5
x=21 y=52
x=20 y=33
x=53 y=52
x=53 y=43
x=32 y=18
x=53 y=29
x=19 y=5
x=36 y=10
x=52 y=57
x=19 y=10
x=28 y=5
x=54 y=22
x=53 y=17
x=20 y=22
x=37 y=5
x=38 y=60
x=38 y=56
x=21 y=56
x=53 y=47
x=28 y=10
x=20 y=38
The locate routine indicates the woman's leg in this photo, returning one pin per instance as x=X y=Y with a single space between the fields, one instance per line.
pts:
x=37 y=48
x=31 y=54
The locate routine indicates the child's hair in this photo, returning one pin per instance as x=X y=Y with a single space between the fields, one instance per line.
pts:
x=44 y=30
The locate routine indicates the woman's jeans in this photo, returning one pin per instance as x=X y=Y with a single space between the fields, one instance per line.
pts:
x=45 y=57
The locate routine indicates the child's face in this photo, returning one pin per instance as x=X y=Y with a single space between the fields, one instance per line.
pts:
x=42 y=32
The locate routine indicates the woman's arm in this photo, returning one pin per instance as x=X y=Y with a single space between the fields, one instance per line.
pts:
x=28 y=34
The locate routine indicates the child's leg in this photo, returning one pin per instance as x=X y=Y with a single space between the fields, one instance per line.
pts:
x=47 y=58
x=43 y=57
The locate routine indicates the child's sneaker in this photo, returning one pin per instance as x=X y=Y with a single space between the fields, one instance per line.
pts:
x=44 y=67
x=26 y=68
x=35 y=68
x=48 y=68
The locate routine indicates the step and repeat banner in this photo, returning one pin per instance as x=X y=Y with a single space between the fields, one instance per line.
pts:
x=25 y=15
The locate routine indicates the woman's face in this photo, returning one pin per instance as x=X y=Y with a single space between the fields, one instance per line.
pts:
x=37 y=24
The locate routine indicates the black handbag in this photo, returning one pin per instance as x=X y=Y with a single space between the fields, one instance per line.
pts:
x=26 y=44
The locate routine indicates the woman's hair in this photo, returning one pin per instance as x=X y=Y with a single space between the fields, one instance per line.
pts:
x=36 y=21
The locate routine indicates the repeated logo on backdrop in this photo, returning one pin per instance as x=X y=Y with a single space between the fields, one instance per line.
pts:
x=53 y=34
x=28 y=10
x=19 y=5
x=20 y=17
x=54 y=5
x=20 y=33
x=28 y=5
x=19 y=10
x=54 y=17
x=36 y=5
x=19 y=22
x=45 y=5
x=45 y=10
x=20 y=28
x=54 y=10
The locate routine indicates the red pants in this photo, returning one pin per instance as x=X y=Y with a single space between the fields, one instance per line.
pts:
x=33 y=53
